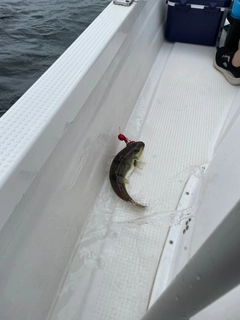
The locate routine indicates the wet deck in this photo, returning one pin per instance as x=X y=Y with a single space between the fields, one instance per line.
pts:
x=179 y=115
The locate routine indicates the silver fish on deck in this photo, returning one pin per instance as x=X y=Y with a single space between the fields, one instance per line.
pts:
x=125 y=160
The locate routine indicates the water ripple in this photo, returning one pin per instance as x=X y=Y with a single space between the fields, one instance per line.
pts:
x=33 y=34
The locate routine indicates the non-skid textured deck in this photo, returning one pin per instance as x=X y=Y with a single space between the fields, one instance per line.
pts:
x=178 y=115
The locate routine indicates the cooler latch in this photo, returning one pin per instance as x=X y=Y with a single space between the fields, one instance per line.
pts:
x=183 y=6
x=212 y=7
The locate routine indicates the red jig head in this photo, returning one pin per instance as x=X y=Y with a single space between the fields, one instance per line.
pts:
x=123 y=138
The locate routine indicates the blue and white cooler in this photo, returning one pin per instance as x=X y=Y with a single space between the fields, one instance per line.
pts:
x=196 y=21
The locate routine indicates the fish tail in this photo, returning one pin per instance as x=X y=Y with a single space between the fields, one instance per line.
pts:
x=138 y=204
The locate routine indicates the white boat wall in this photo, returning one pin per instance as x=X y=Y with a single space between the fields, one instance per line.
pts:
x=69 y=247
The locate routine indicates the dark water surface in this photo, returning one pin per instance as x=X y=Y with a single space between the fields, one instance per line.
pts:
x=33 y=34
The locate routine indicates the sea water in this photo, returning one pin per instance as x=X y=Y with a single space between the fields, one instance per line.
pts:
x=33 y=34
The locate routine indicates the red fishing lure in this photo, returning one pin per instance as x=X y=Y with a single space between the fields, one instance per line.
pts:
x=123 y=138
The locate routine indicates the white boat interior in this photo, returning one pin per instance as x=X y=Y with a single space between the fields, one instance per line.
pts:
x=70 y=248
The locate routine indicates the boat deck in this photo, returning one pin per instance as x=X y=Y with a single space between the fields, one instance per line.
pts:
x=179 y=115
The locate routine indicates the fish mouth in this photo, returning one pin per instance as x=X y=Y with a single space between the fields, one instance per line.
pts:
x=140 y=153
x=140 y=146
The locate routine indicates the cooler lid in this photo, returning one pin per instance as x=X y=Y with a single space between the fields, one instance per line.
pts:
x=209 y=3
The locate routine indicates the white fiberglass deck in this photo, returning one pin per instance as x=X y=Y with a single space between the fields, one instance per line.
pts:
x=179 y=115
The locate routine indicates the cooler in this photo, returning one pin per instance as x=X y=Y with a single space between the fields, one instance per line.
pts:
x=196 y=21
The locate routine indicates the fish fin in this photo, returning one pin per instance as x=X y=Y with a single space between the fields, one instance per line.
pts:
x=122 y=180
x=125 y=181
x=139 y=164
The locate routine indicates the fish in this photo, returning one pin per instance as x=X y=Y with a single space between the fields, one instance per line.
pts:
x=123 y=163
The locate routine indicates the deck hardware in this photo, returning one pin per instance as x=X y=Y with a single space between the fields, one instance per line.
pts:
x=123 y=2
x=221 y=249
